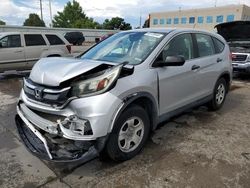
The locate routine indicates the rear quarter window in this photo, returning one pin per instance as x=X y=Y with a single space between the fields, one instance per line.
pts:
x=54 y=40
x=34 y=40
x=218 y=45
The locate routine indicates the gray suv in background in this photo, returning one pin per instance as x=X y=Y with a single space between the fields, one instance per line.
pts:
x=237 y=35
x=109 y=99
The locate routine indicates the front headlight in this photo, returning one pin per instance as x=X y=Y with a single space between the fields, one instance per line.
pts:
x=96 y=85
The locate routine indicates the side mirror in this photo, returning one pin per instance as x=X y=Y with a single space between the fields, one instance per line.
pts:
x=1 y=45
x=171 y=61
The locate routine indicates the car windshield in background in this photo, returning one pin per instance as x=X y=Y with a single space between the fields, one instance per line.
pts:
x=132 y=47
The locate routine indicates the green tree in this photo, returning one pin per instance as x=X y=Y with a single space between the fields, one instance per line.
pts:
x=34 y=20
x=2 y=22
x=116 y=23
x=73 y=16
x=146 y=23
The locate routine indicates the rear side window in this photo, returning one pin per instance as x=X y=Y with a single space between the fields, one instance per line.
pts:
x=11 y=41
x=205 y=45
x=54 y=40
x=34 y=40
x=218 y=45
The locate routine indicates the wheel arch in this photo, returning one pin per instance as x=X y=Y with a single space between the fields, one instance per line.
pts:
x=227 y=76
x=54 y=55
x=146 y=101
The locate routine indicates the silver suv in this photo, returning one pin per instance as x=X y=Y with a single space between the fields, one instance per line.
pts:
x=237 y=35
x=21 y=50
x=109 y=99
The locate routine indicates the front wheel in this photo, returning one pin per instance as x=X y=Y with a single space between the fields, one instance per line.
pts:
x=219 y=95
x=129 y=134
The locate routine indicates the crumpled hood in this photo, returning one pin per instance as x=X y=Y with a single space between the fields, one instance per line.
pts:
x=234 y=31
x=53 y=71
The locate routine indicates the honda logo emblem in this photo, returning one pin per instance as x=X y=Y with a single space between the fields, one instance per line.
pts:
x=38 y=93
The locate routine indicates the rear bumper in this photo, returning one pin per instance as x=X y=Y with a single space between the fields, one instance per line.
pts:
x=41 y=146
x=241 y=67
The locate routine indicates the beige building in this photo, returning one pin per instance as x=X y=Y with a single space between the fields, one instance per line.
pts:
x=203 y=18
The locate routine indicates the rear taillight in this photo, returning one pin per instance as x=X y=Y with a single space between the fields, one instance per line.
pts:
x=68 y=48
x=231 y=56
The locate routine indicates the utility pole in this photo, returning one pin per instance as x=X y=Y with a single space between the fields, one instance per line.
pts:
x=41 y=8
x=50 y=11
x=140 y=20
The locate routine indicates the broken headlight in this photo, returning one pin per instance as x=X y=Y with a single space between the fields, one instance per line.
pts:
x=97 y=85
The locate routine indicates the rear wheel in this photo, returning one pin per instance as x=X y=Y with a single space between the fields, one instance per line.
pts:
x=219 y=95
x=129 y=134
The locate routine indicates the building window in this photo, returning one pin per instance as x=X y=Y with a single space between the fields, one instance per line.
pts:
x=200 y=19
x=209 y=19
x=230 y=18
x=162 y=21
x=169 y=20
x=184 y=20
x=176 y=20
x=219 y=19
x=191 y=20
x=155 y=21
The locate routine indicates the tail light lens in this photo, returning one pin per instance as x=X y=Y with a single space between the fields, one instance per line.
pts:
x=231 y=56
x=68 y=48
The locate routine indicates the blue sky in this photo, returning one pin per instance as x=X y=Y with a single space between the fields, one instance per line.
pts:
x=14 y=12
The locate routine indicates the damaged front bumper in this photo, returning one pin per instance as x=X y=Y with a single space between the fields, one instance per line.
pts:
x=55 y=142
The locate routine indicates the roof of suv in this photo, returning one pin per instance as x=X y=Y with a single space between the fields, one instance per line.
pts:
x=168 y=30
x=27 y=32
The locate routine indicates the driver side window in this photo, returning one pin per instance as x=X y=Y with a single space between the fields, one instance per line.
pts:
x=181 y=45
x=11 y=41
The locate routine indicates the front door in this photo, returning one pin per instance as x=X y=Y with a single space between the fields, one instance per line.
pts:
x=178 y=84
x=12 y=54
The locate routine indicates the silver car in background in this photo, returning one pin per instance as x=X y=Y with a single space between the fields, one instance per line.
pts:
x=19 y=51
x=110 y=98
x=237 y=35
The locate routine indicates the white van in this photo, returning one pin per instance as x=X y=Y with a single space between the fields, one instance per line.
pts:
x=21 y=50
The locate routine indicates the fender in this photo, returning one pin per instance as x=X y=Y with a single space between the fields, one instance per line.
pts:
x=230 y=78
x=129 y=100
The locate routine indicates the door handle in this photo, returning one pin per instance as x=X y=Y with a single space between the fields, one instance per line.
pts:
x=195 y=67
x=219 y=60
x=45 y=49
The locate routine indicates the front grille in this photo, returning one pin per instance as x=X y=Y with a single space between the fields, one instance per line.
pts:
x=239 y=57
x=44 y=94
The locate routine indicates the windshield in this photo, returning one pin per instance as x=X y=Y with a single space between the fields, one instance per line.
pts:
x=131 y=47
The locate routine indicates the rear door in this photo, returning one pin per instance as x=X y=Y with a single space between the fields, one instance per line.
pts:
x=57 y=45
x=12 y=55
x=178 y=84
x=209 y=59
x=35 y=46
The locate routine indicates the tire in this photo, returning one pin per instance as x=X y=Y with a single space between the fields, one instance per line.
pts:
x=132 y=129
x=219 y=95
